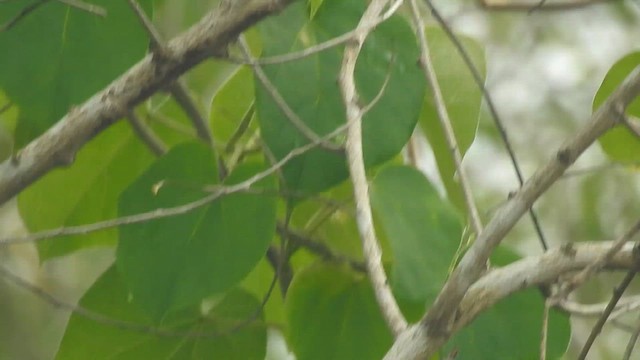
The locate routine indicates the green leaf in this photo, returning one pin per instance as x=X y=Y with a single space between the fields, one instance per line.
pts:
x=230 y=103
x=86 y=338
x=57 y=56
x=310 y=88
x=511 y=329
x=332 y=314
x=424 y=231
x=619 y=143
x=177 y=261
x=462 y=98
x=86 y=192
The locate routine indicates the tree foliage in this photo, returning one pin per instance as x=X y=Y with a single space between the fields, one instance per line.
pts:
x=218 y=241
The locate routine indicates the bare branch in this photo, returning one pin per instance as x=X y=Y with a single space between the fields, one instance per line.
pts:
x=541 y=5
x=58 y=146
x=216 y=192
x=499 y=283
x=445 y=121
x=81 y=5
x=127 y=325
x=632 y=343
x=293 y=118
x=178 y=89
x=438 y=322
x=478 y=78
x=371 y=249
x=597 y=328
x=146 y=134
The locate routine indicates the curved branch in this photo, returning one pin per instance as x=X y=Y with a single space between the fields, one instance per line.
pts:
x=58 y=146
x=502 y=282
x=437 y=325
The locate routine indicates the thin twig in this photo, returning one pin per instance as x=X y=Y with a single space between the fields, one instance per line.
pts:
x=319 y=248
x=445 y=121
x=528 y=7
x=127 y=325
x=479 y=80
x=168 y=212
x=177 y=89
x=147 y=135
x=241 y=129
x=585 y=274
x=312 y=50
x=282 y=104
x=90 y=8
x=632 y=342
x=597 y=328
x=23 y=13
x=544 y=331
x=371 y=249
x=624 y=306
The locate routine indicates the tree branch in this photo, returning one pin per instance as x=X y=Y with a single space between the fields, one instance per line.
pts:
x=58 y=146
x=502 y=282
x=364 y=218
x=437 y=325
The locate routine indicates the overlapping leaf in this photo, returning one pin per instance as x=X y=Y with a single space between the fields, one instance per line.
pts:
x=175 y=262
x=309 y=86
x=58 y=56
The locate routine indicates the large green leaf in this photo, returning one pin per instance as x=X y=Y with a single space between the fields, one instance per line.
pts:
x=87 y=338
x=511 y=329
x=231 y=103
x=175 y=262
x=333 y=314
x=424 y=231
x=619 y=143
x=86 y=192
x=462 y=98
x=309 y=86
x=57 y=56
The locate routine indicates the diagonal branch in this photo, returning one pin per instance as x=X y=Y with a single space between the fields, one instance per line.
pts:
x=436 y=327
x=58 y=146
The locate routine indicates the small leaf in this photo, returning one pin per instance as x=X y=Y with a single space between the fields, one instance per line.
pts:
x=176 y=262
x=619 y=143
x=333 y=314
x=424 y=231
x=86 y=338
